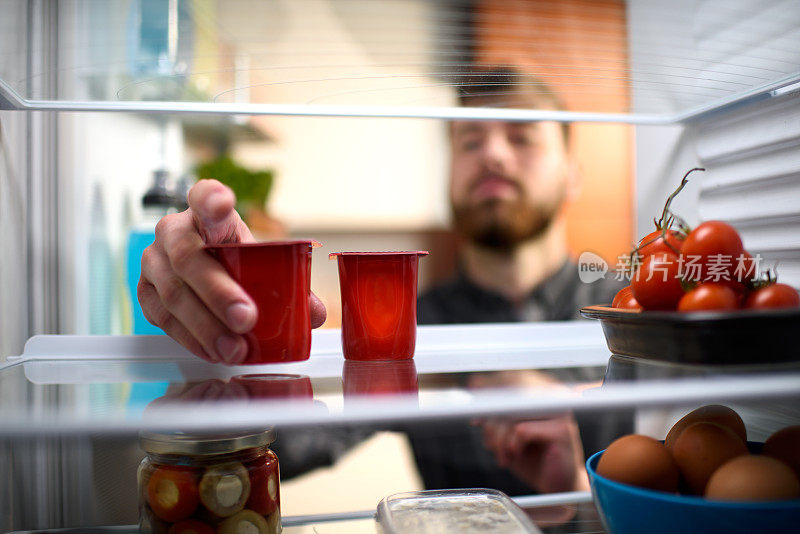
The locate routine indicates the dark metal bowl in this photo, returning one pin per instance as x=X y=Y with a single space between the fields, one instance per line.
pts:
x=742 y=337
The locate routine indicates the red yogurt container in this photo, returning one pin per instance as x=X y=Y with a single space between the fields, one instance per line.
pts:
x=277 y=276
x=379 y=304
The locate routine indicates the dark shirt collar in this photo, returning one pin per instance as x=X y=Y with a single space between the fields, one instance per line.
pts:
x=546 y=294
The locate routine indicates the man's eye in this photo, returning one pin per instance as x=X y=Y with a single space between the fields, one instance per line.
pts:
x=521 y=139
x=470 y=143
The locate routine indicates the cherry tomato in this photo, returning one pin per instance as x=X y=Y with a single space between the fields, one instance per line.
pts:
x=625 y=300
x=744 y=269
x=773 y=296
x=656 y=283
x=654 y=242
x=621 y=294
x=264 y=485
x=709 y=296
x=191 y=526
x=711 y=252
x=172 y=492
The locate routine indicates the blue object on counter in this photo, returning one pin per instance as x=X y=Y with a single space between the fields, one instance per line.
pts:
x=157 y=202
x=138 y=240
x=626 y=509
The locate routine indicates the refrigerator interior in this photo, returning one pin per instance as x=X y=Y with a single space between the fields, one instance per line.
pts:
x=346 y=104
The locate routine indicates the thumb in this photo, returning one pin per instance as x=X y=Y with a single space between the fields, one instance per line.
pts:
x=212 y=206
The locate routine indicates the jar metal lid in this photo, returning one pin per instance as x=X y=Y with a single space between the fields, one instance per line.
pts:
x=203 y=444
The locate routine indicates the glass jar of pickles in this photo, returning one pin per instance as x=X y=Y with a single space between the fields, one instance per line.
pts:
x=206 y=484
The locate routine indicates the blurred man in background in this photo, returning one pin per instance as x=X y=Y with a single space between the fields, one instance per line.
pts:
x=509 y=185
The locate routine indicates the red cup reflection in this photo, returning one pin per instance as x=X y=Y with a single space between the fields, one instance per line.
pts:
x=379 y=304
x=380 y=378
x=275 y=386
x=277 y=276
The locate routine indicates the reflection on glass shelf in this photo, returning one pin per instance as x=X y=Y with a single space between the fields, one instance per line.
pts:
x=365 y=378
x=222 y=403
x=110 y=384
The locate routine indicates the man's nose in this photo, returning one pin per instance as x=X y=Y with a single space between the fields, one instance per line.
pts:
x=497 y=152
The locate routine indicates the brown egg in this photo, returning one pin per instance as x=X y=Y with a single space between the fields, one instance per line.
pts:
x=753 y=478
x=785 y=446
x=640 y=461
x=701 y=448
x=713 y=413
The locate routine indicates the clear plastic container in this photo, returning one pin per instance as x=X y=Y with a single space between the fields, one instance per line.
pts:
x=222 y=484
x=466 y=511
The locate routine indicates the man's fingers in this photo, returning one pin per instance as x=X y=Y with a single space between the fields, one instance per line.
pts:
x=182 y=303
x=192 y=264
x=207 y=389
x=155 y=312
x=540 y=432
x=495 y=435
x=212 y=207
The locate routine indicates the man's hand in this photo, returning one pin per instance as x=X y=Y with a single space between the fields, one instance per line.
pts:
x=544 y=453
x=187 y=293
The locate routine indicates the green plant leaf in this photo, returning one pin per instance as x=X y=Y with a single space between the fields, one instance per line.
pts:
x=250 y=187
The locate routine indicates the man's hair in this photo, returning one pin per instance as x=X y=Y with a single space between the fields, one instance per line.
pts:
x=508 y=87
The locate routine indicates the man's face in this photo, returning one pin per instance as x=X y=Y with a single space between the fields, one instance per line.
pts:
x=507 y=179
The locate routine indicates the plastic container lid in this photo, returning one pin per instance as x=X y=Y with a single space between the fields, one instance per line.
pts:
x=466 y=511
x=254 y=244
x=334 y=255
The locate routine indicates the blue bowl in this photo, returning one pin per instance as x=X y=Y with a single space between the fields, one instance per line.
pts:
x=626 y=509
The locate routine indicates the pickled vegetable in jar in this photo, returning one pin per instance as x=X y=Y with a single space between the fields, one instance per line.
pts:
x=206 y=484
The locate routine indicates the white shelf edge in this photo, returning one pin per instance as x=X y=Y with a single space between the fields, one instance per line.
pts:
x=11 y=100
x=327 y=342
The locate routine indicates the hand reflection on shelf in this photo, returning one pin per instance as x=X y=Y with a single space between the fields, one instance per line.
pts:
x=241 y=388
x=275 y=386
x=380 y=378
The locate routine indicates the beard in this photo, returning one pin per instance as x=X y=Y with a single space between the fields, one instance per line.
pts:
x=503 y=225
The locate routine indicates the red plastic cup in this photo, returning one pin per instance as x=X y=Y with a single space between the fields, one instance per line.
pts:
x=379 y=304
x=380 y=378
x=275 y=386
x=277 y=276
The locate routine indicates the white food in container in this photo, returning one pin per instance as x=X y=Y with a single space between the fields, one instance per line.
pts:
x=466 y=511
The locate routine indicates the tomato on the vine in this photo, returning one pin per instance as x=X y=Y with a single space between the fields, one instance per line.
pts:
x=625 y=300
x=711 y=251
x=656 y=283
x=775 y=295
x=709 y=296
x=654 y=242
x=745 y=269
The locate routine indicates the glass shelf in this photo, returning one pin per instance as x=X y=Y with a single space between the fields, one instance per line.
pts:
x=76 y=385
x=640 y=62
